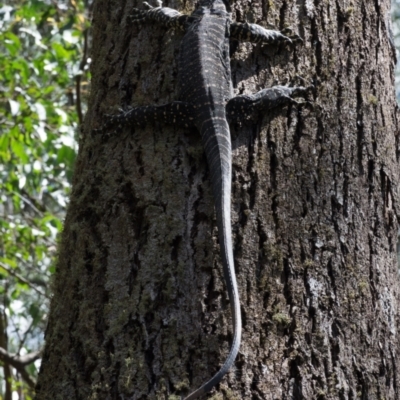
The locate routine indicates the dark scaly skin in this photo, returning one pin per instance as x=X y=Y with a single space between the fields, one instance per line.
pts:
x=206 y=83
x=206 y=98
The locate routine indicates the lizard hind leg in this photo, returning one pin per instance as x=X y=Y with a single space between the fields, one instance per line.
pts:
x=246 y=32
x=175 y=113
x=245 y=106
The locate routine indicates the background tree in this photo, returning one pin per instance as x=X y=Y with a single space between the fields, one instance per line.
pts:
x=139 y=307
x=396 y=38
x=43 y=69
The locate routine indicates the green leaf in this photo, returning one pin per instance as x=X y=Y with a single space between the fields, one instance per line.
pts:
x=4 y=146
x=66 y=155
x=19 y=150
x=60 y=51
x=12 y=43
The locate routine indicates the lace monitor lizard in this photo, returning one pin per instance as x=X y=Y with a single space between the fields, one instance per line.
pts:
x=206 y=102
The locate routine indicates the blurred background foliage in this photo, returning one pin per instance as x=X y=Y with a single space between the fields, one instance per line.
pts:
x=44 y=67
x=43 y=89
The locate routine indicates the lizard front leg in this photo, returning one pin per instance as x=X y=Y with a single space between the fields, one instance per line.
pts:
x=164 y=16
x=257 y=34
x=247 y=105
x=177 y=112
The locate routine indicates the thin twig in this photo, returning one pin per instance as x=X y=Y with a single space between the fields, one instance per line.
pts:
x=79 y=77
x=22 y=279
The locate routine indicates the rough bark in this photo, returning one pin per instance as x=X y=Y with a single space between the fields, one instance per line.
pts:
x=140 y=309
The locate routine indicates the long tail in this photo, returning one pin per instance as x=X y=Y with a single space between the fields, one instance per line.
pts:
x=219 y=159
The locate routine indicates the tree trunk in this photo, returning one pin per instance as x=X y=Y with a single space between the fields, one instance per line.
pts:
x=140 y=309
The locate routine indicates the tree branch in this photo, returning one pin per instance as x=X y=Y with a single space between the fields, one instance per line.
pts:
x=18 y=361
x=22 y=279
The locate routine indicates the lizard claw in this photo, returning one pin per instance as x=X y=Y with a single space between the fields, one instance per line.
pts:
x=296 y=38
x=147 y=5
x=308 y=86
x=293 y=37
